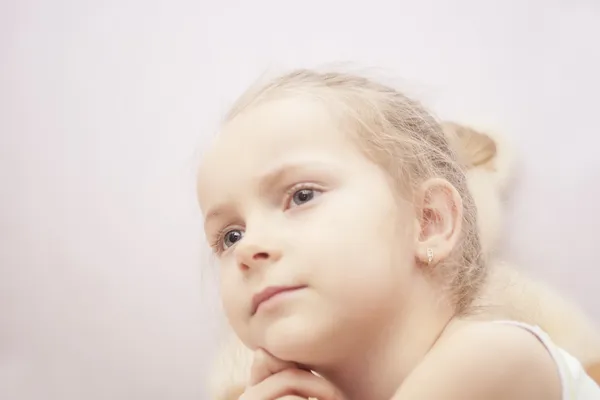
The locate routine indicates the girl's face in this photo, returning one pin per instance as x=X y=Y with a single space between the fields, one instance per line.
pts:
x=311 y=241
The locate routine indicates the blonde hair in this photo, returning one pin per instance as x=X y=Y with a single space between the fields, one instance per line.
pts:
x=398 y=134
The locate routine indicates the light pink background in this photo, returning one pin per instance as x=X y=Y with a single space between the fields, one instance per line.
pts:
x=105 y=291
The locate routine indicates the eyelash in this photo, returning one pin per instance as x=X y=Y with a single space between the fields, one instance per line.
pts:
x=216 y=244
x=296 y=188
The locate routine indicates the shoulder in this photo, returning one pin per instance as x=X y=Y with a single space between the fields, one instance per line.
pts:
x=485 y=360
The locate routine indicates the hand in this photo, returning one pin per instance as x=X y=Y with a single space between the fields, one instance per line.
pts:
x=274 y=379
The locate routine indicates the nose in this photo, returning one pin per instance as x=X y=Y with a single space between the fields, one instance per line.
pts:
x=250 y=254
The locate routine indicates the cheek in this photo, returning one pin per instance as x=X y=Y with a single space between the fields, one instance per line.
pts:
x=359 y=239
x=232 y=299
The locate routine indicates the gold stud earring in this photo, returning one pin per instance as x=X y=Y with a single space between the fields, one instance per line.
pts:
x=429 y=255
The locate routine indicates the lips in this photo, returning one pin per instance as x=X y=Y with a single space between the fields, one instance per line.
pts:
x=270 y=292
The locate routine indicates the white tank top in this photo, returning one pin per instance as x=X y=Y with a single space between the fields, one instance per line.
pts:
x=575 y=382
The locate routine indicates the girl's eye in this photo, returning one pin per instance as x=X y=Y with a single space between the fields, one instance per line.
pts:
x=303 y=196
x=231 y=237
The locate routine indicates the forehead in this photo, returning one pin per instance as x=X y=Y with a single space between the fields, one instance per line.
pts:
x=301 y=120
x=288 y=130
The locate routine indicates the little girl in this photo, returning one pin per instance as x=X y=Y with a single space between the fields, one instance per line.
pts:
x=349 y=254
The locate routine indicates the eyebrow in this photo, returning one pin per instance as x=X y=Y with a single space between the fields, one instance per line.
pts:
x=281 y=171
x=214 y=214
x=273 y=176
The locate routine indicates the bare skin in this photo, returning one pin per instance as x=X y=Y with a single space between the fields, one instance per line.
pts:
x=508 y=294
x=293 y=213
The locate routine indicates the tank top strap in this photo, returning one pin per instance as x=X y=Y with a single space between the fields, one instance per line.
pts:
x=576 y=384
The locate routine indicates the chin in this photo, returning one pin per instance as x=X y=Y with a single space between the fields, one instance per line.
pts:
x=300 y=339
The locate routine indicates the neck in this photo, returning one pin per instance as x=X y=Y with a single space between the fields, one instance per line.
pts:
x=378 y=364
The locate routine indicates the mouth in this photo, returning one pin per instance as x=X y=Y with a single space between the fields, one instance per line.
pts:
x=271 y=292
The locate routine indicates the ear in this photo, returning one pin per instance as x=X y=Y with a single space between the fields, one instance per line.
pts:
x=475 y=149
x=439 y=220
x=486 y=151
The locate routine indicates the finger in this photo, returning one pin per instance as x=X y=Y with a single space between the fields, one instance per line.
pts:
x=265 y=365
x=292 y=382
